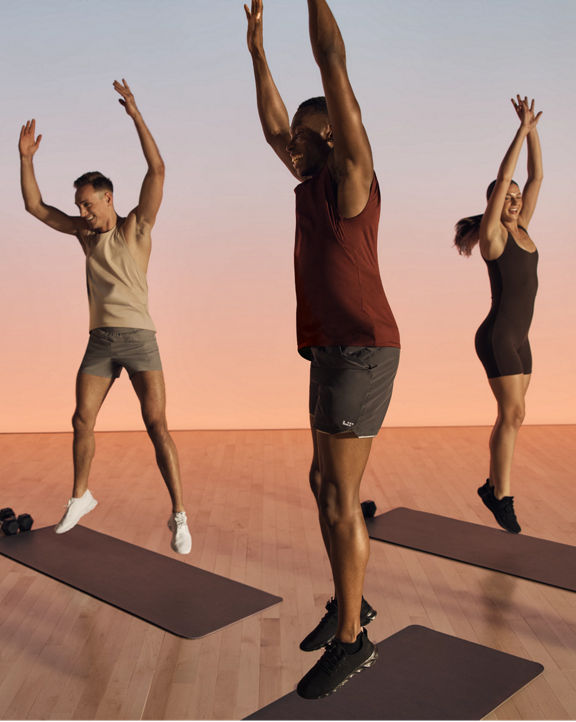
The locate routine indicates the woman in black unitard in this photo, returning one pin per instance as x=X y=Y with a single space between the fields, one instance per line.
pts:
x=502 y=339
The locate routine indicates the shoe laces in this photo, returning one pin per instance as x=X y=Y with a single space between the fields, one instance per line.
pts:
x=179 y=518
x=508 y=504
x=331 y=609
x=332 y=657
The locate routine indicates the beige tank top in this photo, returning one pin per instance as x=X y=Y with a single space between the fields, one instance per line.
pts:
x=117 y=287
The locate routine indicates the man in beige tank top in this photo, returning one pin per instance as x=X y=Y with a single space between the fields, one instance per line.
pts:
x=122 y=334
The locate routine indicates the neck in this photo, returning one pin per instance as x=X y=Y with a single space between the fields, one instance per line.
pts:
x=511 y=225
x=109 y=224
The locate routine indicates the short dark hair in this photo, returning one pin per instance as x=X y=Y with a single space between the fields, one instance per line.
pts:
x=96 y=179
x=314 y=105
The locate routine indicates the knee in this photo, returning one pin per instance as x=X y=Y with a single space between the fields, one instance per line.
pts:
x=82 y=423
x=514 y=415
x=156 y=427
x=335 y=507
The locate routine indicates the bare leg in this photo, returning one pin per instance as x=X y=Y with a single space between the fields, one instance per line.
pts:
x=315 y=484
x=90 y=394
x=149 y=387
x=342 y=462
x=510 y=392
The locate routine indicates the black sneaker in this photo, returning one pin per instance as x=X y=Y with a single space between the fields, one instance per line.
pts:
x=335 y=667
x=503 y=509
x=326 y=629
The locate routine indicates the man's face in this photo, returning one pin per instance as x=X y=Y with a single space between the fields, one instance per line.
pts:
x=311 y=142
x=94 y=206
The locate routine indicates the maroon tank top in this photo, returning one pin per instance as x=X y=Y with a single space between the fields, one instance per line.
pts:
x=339 y=294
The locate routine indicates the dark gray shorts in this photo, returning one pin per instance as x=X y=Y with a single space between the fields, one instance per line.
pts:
x=111 y=349
x=351 y=387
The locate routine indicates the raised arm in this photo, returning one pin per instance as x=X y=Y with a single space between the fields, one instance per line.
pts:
x=352 y=152
x=535 y=169
x=153 y=184
x=492 y=232
x=271 y=109
x=28 y=145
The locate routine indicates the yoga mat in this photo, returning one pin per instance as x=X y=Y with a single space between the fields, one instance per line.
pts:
x=177 y=597
x=519 y=555
x=420 y=674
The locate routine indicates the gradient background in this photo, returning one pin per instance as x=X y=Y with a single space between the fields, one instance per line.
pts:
x=434 y=81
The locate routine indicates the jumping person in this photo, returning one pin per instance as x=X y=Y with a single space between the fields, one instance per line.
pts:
x=502 y=340
x=122 y=334
x=344 y=324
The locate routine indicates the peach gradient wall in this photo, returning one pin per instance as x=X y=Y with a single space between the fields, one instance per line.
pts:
x=434 y=81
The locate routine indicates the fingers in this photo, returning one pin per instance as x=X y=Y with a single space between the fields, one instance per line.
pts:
x=122 y=88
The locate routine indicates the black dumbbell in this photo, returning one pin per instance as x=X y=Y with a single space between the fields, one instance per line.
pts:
x=12 y=525
x=9 y=521
x=25 y=522
x=368 y=509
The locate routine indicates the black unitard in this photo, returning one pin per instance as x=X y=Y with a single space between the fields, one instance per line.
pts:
x=502 y=339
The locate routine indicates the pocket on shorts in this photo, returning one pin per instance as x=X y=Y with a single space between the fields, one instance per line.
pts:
x=358 y=356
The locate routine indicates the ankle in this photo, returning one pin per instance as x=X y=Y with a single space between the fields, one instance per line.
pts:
x=348 y=636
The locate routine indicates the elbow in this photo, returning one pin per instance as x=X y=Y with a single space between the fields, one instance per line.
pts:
x=32 y=208
x=158 y=168
x=330 y=56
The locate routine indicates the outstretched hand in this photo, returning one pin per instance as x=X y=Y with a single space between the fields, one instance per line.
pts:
x=127 y=99
x=255 y=36
x=525 y=112
x=27 y=145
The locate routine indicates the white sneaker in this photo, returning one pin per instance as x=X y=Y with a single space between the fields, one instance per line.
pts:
x=75 y=510
x=181 y=539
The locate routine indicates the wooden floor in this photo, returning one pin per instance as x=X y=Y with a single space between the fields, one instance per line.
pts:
x=64 y=655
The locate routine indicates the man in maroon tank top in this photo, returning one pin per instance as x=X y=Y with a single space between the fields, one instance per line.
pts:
x=344 y=324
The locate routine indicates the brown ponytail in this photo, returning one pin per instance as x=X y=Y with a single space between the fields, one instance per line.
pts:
x=467 y=234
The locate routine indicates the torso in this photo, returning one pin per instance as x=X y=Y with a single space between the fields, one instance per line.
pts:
x=340 y=298
x=116 y=282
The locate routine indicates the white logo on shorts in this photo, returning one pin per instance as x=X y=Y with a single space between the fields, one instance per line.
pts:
x=348 y=423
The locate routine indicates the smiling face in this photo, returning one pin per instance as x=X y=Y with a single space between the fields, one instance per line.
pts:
x=311 y=142
x=96 y=208
x=512 y=204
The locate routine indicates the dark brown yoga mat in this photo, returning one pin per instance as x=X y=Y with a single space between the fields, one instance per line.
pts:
x=177 y=597
x=420 y=674
x=519 y=555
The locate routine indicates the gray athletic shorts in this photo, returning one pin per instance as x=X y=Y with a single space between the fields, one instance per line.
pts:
x=351 y=387
x=111 y=349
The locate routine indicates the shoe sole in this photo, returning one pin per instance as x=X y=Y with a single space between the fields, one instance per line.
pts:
x=363 y=623
x=365 y=665
x=93 y=505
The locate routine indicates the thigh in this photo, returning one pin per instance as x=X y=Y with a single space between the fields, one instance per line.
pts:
x=525 y=354
x=151 y=392
x=509 y=390
x=342 y=462
x=90 y=393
